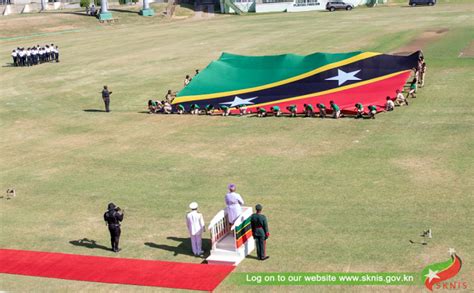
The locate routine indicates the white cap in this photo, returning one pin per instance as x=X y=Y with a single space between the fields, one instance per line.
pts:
x=193 y=205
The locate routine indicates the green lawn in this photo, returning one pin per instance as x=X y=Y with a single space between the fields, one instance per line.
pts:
x=343 y=195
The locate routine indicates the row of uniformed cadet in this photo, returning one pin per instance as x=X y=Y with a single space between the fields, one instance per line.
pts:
x=35 y=55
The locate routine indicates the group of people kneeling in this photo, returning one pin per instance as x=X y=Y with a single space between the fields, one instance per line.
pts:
x=309 y=110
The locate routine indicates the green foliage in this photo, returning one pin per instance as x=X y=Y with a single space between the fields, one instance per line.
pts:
x=85 y=3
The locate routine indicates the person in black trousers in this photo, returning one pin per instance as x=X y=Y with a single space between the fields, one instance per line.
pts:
x=106 y=97
x=113 y=216
x=260 y=232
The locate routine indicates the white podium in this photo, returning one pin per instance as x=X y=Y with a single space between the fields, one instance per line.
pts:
x=231 y=244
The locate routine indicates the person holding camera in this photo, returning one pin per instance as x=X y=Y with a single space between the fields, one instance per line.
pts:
x=113 y=216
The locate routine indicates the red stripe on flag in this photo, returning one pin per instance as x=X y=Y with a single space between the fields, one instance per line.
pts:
x=244 y=238
x=370 y=94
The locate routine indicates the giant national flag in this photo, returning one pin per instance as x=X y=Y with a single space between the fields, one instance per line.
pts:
x=283 y=80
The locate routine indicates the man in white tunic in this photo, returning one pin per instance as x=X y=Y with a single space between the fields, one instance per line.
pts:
x=234 y=203
x=195 y=223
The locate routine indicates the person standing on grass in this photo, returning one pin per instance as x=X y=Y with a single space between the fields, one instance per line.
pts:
x=234 y=203
x=113 y=216
x=40 y=55
x=55 y=53
x=413 y=88
x=21 y=55
x=106 y=97
x=422 y=73
x=14 y=56
x=260 y=232
x=187 y=80
x=195 y=223
x=34 y=55
x=169 y=97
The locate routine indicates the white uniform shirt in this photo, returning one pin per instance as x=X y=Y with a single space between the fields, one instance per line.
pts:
x=389 y=105
x=48 y=50
x=14 y=54
x=234 y=204
x=195 y=223
x=28 y=53
x=400 y=96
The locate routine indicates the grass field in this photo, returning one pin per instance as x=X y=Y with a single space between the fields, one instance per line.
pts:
x=342 y=196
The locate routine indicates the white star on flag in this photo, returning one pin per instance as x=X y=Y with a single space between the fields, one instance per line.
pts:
x=342 y=76
x=452 y=251
x=238 y=101
x=432 y=275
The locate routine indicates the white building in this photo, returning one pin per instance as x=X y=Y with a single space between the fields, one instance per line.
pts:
x=232 y=6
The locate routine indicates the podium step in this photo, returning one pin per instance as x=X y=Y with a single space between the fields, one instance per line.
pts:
x=224 y=257
x=227 y=243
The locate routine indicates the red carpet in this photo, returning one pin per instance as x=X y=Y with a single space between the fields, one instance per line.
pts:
x=113 y=270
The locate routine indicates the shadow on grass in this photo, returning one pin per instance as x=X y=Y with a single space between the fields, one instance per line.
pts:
x=81 y=13
x=124 y=11
x=93 y=110
x=252 y=257
x=89 y=243
x=183 y=247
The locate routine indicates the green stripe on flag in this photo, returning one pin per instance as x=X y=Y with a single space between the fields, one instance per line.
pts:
x=243 y=225
x=234 y=72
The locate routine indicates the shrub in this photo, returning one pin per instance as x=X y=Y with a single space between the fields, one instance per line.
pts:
x=85 y=3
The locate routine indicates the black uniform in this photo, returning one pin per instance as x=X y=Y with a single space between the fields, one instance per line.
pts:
x=106 y=98
x=113 y=217
x=260 y=232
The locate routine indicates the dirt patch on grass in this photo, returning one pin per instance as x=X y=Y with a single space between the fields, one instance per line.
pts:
x=20 y=26
x=468 y=52
x=24 y=23
x=58 y=28
x=424 y=170
x=421 y=41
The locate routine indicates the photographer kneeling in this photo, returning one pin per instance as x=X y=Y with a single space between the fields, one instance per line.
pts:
x=113 y=216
